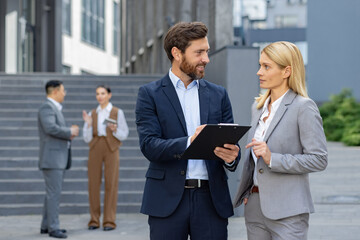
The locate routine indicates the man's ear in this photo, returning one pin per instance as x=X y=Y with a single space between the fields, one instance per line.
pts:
x=55 y=91
x=287 y=72
x=176 y=53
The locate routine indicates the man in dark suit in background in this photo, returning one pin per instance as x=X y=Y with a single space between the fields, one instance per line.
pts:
x=54 y=154
x=184 y=197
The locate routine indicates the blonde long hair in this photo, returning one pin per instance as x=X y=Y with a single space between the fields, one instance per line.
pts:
x=286 y=54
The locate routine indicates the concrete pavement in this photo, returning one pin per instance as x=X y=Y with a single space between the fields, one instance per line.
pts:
x=336 y=193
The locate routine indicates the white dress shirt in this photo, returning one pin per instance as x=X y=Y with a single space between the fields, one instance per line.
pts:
x=57 y=104
x=189 y=100
x=263 y=126
x=122 y=130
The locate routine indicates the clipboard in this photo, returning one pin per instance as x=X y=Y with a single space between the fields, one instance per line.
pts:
x=212 y=136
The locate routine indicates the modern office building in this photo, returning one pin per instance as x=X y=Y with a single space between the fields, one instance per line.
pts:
x=100 y=36
x=145 y=23
x=265 y=21
x=70 y=36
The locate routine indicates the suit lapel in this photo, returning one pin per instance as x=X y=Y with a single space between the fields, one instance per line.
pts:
x=172 y=96
x=58 y=113
x=288 y=98
x=204 y=101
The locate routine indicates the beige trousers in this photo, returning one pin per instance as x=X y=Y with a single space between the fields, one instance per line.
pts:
x=100 y=154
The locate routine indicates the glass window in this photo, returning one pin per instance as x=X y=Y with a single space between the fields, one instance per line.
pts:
x=92 y=29
x=66 y=69
x=116 y=29
x=270 y=3
x=84 y=72
x=291 y=2
x=26 y=57
x=66 y=17
x=284 y=21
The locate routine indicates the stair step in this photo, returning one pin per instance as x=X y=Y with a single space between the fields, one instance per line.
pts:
x=31 y=141
x=33 y=131
x=37 y=197
x=24 y=162
x=69 y=184
x=10 y=209
x=75 y=172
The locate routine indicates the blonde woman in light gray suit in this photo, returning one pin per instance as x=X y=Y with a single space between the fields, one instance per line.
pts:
x=286 y=143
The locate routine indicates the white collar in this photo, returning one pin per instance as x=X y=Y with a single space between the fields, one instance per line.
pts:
x=107 y=108
x=56 y=103
x=176 y=80
x=275 y=105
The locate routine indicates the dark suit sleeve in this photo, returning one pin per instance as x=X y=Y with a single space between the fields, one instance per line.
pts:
x=227 y=117
x=47 y=118
x=154 y=147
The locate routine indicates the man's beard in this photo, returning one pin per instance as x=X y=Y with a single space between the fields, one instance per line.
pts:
x=191 y=70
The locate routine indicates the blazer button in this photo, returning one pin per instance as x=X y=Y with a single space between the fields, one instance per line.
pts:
x=261 y=170
x=182 y=172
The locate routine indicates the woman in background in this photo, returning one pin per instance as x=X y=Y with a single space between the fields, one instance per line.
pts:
x=104 y=139
x=286 y=142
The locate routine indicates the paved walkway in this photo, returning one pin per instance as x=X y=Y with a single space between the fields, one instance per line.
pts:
x=336 y=193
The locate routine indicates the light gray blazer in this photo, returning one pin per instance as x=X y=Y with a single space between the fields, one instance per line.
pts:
x=297 y=143
x=54 y=137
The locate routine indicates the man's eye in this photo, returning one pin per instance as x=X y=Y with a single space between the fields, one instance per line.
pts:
x=266 y=67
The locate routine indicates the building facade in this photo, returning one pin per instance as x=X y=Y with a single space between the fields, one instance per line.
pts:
x=70 y=36
x=145 y=23
x=90 y=39
x=101 y=36
x=266 y=21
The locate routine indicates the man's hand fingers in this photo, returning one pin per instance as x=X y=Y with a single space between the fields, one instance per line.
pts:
x=228 y=153
x=231 y=147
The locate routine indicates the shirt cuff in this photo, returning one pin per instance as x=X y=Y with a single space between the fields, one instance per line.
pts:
x=188 y=142
x=230 y=164
x=270 y=163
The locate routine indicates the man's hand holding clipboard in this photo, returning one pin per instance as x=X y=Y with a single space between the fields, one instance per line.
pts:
x=215 y=142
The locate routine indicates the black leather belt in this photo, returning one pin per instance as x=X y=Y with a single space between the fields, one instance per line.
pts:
x=254 y=189
x=196 y=183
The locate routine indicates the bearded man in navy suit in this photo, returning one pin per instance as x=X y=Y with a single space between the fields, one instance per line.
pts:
x=184 y=197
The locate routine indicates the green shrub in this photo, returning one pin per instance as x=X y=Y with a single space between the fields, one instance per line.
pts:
x=341 y=118
x=351 y=135
x=334 y=128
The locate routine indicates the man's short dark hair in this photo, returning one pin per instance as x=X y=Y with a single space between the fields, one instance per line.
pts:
x=106 y=87
x=51 y=85
x=181 y=34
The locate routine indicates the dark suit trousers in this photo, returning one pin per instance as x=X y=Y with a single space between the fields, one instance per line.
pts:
x=195 y=216
x=53 y=184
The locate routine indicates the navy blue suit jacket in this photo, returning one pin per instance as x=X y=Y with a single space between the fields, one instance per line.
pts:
x=163 y=137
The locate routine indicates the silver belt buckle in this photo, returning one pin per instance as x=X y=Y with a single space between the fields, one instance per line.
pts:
x=199 y=183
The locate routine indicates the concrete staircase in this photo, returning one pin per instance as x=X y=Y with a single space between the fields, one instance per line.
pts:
x=21 y=182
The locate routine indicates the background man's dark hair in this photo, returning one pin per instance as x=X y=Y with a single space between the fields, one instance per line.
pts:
x=181 y=34
x=107 y=88
x=51 y=85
